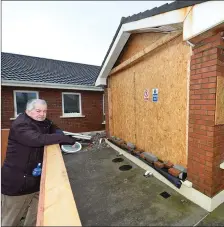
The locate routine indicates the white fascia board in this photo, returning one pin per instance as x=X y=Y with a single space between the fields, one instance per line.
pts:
x=169 y=18
x=101 y=81
x=172 y=17
x=115 y=51
x=14 y=83
x=203 y=17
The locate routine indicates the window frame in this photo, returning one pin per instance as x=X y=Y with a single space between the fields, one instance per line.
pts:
x=80 y=105
x=14 y=98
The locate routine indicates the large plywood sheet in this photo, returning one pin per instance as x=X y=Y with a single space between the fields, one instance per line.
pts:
x=122 y=90
x=219 y=113
x=136 y=43
x=160 y=127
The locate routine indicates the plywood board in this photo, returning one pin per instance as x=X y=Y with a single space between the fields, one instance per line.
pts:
x=136 y=43
x=148 y=50
x=110 y=110
x=219 y=112
x=160 y=127
x=56 y=206
x=4 y=143
x=122 y=90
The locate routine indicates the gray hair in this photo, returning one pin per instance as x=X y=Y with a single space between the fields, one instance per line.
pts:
x=31 y=103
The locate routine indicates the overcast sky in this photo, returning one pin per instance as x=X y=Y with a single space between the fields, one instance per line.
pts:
x=76 y=31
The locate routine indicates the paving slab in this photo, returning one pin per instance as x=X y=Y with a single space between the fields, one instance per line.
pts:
x=215 y=218
x=107 y=196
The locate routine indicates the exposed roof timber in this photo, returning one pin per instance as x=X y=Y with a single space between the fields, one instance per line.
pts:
x=14 y=83
x=164 y=19
x=192 y=21
x=161 y=29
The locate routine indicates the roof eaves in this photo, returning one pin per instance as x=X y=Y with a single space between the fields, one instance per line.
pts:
x=14 y=83
x=149 y=13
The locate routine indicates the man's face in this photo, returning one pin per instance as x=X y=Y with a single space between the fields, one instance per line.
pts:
x=39 y=112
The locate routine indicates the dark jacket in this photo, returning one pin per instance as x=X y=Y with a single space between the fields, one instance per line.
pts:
x=27 y=138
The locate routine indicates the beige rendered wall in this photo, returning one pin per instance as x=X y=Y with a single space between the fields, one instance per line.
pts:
x=160 y=127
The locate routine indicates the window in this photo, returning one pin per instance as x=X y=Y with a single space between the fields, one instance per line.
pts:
x=21 y=98
x=71 y=104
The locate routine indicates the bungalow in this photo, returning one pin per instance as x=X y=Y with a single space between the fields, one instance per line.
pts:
x=74 y=103
x=164 y=78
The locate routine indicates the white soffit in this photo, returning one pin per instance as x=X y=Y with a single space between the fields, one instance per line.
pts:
x=203 y=17
x=114 y=53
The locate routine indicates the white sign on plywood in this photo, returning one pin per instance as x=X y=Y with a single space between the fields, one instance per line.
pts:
x=146 y=94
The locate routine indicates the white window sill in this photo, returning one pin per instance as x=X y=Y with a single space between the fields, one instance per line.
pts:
x=12 y=118
x=71 y=116
x=103 y=123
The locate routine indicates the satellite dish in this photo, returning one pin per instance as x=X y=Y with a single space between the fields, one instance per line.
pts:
x=71 y=148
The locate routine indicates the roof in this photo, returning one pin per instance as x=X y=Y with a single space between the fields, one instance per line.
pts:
x=18 y=67
x=149 y=13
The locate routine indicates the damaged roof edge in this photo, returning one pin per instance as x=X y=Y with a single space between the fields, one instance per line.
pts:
x=146 y=14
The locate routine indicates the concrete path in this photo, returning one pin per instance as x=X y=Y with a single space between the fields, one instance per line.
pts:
x=215 y=218
x=106 y=196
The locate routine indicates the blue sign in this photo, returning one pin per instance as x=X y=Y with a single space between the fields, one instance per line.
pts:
x=155 y=98
x=155 y=92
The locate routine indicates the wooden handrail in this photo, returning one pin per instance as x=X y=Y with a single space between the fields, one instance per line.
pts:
x=56 y=206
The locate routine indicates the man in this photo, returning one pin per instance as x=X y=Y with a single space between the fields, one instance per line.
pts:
x=28 y=135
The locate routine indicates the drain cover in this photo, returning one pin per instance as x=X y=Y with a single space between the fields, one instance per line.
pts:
x=165 y=195
x=125 y=167
x=118 y=160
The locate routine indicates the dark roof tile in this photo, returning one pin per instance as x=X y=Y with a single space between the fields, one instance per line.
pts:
x=27 y=68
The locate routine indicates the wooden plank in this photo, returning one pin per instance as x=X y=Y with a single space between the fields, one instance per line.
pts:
x=167 y=38
x=110 y=112
x=4 y=143
x=40 y=212
x=219 y=112
x=57 y=206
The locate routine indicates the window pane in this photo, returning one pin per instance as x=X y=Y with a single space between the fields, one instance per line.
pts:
x=71 y=103
x=21 y=100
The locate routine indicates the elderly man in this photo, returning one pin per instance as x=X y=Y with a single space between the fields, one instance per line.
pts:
x=28 y=135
